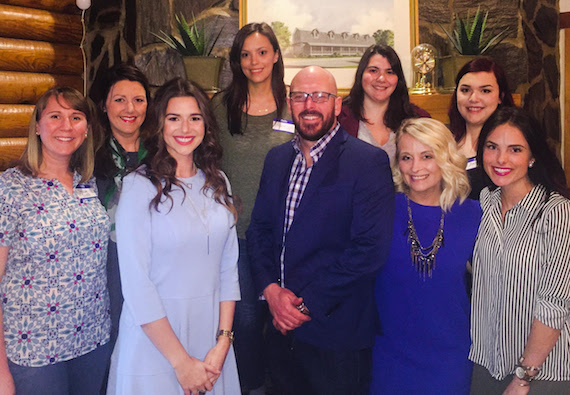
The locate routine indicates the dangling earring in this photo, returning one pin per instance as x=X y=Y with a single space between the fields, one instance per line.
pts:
x=531 y=163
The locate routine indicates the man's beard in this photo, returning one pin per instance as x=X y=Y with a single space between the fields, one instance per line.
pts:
x=310 y=132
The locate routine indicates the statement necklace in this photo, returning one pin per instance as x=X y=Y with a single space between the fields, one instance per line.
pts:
x=423 y=259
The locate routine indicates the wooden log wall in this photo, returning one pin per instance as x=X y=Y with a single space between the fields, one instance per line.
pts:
x=39 y=48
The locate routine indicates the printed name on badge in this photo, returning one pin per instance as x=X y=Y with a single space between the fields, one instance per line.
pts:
x=85 y=192
x=284 y=125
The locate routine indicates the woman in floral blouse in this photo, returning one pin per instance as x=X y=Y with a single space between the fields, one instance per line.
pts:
x=53 y=246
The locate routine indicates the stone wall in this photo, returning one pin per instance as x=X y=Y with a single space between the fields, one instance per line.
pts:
x=122 y=30
x=529 y=54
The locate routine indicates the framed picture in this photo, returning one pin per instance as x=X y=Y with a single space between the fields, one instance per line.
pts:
x=335 y=34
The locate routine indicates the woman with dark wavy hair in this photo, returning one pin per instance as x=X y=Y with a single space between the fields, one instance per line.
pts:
x=521 y=279
x=245 y=113
x=378 y=101
x=178 y=255
x=480 y=88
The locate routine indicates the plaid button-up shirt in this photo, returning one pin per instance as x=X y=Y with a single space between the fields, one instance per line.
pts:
x=298 y=180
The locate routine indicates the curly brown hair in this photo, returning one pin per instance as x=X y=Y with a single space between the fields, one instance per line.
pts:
x=160 y=166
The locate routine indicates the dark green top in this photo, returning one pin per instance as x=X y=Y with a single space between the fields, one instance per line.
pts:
x=244 y=155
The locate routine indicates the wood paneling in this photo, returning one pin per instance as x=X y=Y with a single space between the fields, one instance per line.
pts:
x=438 y=104
x=31 y=24
x=26 y=88
x=564 y=20
x=10 y=150
x=40 y=57
x=63 y=6
x=14 y=120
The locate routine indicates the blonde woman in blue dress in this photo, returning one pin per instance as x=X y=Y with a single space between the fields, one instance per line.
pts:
x=178 y=253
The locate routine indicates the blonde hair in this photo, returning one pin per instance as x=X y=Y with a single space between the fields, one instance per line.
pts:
x=83 y=159
x=434 y=134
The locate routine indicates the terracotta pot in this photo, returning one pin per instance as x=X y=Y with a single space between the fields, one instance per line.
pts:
x=204 y=70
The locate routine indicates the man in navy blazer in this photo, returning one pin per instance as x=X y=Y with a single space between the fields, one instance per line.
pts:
x=320 y=232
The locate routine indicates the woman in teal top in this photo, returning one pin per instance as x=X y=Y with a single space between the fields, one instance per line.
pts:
x=245 y=112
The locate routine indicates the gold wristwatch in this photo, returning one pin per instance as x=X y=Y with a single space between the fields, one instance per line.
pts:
x=226 y=333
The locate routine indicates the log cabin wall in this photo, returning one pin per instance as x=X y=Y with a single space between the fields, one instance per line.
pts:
x=39 y=48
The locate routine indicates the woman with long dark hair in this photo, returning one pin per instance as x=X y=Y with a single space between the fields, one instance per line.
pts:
x=378 y=101
x=480 y=88
x=178 y=255
x=521 y=279
x=245 y=113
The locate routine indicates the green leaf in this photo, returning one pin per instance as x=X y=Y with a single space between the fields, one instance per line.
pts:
x=193 y=39
x=477 y=31
x=187 y=34
x=463 y=39
x=453 y=40
x=467 y=37
x=214 y=41
x=494 y=41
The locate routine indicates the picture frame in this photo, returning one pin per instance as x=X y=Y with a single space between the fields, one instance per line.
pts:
x=335 y=46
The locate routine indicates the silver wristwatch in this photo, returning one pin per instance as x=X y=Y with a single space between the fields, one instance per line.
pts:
x=522 y=371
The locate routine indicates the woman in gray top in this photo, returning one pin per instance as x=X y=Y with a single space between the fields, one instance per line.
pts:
x=245 y=113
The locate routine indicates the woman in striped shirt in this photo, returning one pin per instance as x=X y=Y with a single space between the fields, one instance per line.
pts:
x=520 y=325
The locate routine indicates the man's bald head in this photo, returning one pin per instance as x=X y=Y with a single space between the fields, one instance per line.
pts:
x=315 y=75
x=314 y=119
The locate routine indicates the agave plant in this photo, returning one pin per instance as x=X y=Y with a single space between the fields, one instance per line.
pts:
x=193 y=38
x=467 y=37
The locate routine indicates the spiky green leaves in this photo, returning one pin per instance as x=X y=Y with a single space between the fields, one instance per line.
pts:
x=467 y=37
x=193 y=41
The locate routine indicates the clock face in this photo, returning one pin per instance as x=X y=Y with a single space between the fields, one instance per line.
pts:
x=423 y=58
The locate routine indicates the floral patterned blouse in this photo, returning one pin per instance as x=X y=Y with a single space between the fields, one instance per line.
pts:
x=54 y=291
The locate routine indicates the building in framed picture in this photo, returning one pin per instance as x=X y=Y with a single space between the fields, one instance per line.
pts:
x=308 y=43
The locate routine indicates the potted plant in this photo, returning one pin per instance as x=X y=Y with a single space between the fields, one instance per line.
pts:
x=467 y=39
x=195 y=45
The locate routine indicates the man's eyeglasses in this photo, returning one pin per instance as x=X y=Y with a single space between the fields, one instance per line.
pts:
x=316 y=97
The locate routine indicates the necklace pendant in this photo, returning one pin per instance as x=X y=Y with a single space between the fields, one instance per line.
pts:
x=423 y=258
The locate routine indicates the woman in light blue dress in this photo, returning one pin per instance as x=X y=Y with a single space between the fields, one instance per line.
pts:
x=178 y=253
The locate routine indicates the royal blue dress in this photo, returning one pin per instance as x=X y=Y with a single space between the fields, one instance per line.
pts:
x=425 y=343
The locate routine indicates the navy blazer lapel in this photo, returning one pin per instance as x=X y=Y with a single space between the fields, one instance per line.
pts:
x=326 y=164
x=283 y=185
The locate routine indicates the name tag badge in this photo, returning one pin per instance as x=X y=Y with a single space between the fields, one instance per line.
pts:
x=283 y=125
x=85 y=192
x=471 y=163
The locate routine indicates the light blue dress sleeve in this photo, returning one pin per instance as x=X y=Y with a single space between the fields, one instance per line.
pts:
x=229 y=280
x=134 y=244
